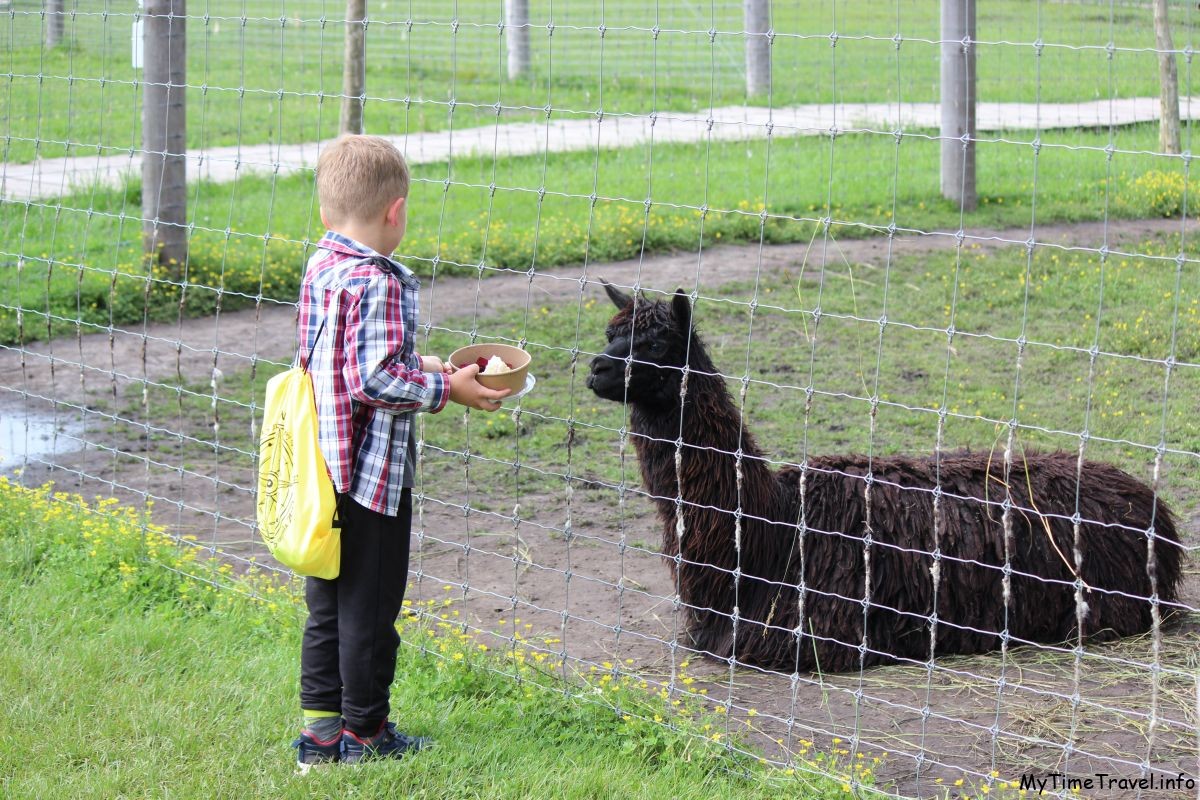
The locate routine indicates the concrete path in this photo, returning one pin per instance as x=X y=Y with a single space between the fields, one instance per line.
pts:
x=55 y=177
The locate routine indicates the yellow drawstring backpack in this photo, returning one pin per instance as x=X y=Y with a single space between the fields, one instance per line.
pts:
x=296 y=504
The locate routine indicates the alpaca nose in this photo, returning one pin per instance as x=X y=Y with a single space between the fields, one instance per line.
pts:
x=601 y=363
x=601 y=366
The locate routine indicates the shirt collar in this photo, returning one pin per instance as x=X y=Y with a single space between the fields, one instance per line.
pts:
x=339 y=243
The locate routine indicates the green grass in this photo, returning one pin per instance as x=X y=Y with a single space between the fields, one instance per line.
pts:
x=138 y=675
x=1062 y=302
x=255 y=80
x=76 y=262
x=126 y=677
x=79 y=258
x=783 y=351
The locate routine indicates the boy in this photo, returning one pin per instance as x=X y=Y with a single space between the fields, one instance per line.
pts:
x=358 y=315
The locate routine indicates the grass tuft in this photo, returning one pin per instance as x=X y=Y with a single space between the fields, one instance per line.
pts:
x=133 y=662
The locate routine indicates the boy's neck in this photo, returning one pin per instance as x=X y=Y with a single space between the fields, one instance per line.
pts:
x=369 y=235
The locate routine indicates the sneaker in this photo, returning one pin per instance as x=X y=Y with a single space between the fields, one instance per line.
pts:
x=312 y=752
x=385 y=744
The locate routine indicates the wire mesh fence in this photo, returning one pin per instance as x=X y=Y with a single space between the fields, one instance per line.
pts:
x=858 y=328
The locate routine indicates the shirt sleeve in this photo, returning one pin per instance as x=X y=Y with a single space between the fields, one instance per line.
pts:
x=375 y=370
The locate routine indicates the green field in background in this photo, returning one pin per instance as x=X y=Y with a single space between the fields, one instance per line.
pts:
x=79 y=258
x=271 y=71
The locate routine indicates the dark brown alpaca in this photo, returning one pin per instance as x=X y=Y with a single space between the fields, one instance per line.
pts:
x=784 y=570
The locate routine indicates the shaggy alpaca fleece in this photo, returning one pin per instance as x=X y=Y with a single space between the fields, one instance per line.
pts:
x=846 y=562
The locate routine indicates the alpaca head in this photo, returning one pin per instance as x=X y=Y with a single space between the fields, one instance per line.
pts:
x=653 y=339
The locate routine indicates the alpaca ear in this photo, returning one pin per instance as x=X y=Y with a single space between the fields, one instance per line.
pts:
x=681 y=306
x=619 y=299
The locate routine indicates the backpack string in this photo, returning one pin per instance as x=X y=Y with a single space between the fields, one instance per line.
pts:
x=304 y=364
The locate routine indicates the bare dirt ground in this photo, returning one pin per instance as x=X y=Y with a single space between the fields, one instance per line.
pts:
x=601 y=595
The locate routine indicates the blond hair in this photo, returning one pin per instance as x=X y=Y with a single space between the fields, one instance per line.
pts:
x=358 y=176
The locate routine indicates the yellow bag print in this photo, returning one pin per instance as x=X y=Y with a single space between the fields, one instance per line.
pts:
x=296 y=501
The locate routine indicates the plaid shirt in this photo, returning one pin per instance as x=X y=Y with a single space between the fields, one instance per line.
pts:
x=365 y=370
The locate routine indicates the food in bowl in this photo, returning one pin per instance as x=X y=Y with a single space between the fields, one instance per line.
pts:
x=490 y=366
x=501 y=366
x=495 y=366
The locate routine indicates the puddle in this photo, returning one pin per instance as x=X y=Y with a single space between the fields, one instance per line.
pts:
x=28 y=437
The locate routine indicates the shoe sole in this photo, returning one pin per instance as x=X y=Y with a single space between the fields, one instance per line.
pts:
x=372 y=757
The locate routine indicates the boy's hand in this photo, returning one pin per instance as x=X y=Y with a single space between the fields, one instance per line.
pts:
x=433 y=364
x=467 y=391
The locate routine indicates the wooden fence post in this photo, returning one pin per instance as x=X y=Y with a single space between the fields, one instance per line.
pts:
x=354 y=69
x=54 y=22
x=516 y=34
x=1168 y=81
x=758 y=46
x=958 y=102
x=164 y=134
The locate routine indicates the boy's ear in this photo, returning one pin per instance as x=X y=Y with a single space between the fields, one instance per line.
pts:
x=394 y=211
x=325 y=220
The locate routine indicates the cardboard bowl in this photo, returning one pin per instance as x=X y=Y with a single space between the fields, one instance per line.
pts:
x=517 y=358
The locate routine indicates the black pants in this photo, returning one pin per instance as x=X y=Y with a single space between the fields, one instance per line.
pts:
x=348 y=656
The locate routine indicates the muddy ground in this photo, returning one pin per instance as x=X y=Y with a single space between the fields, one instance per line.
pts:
x=601 y=594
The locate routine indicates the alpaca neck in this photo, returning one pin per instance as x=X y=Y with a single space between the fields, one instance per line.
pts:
x=710 y=426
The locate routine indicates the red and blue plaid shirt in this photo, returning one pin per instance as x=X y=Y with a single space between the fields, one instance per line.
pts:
x=365 y=370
